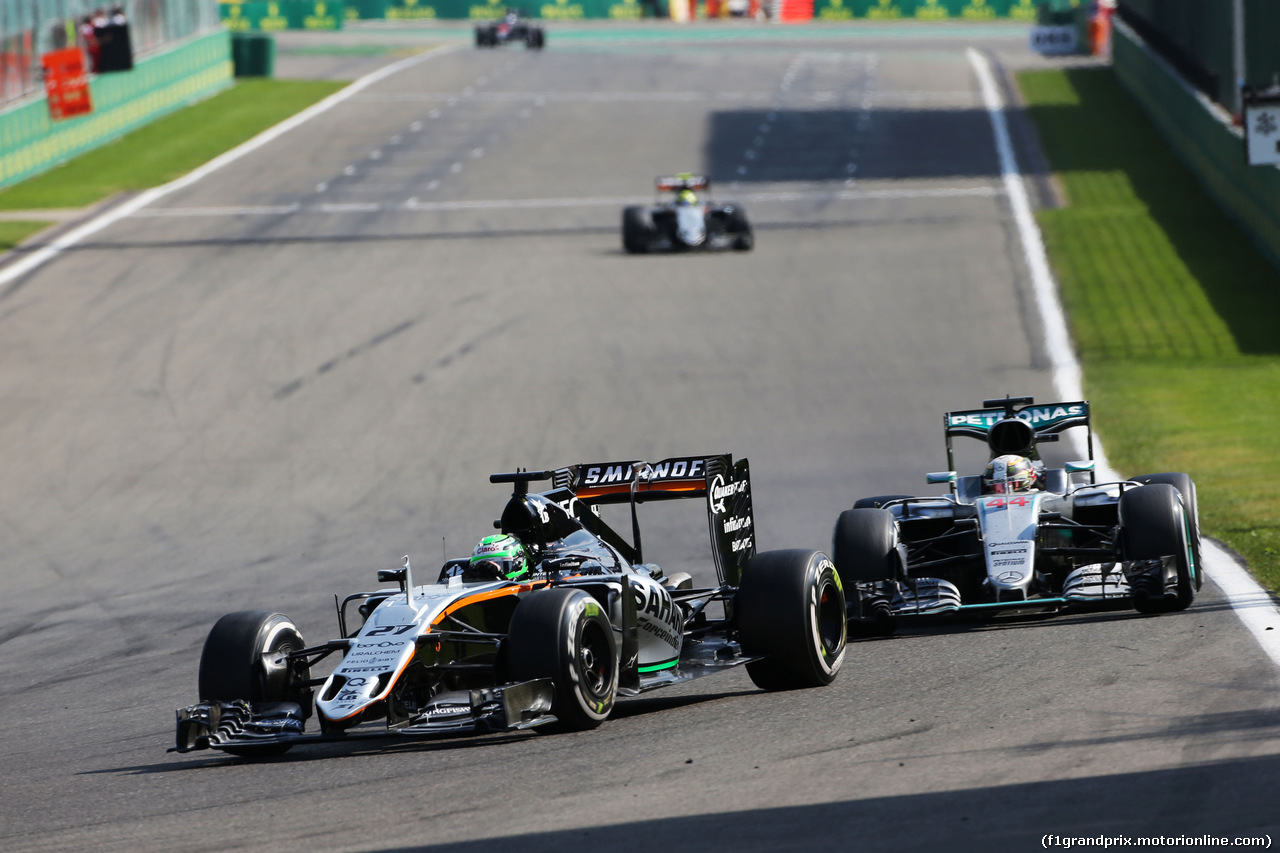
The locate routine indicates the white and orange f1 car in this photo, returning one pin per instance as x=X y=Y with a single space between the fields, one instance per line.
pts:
x=550 y=620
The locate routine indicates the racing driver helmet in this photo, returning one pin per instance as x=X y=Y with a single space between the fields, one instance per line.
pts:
x=1007 y=474
x=686 y=198
x=500 y=556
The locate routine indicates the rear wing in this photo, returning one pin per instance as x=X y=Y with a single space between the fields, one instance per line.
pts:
x=683 y=181
x=725 y=485
x=1017 y=425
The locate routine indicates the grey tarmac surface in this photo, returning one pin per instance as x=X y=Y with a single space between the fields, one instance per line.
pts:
x=261 y=390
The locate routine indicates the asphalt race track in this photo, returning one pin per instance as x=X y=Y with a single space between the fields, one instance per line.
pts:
x=258 y=391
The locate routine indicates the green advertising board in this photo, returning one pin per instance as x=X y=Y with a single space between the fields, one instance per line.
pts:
x=282 y=15
x=930 y=10
x=490 y=10
x=630 y=10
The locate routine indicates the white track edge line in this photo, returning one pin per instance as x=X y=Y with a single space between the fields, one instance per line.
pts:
x=1252 y=604
x=44 y=255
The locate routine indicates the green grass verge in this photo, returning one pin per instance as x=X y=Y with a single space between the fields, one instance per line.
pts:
x=1174 y=312
x=168 y=147
x=13 y=233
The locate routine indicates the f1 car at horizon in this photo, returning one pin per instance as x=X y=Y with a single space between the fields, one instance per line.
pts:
x=550 y=620
x=514 y=27
x=1022 y=537
x=685 y=222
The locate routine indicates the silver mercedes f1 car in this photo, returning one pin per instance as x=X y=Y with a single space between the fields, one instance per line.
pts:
x=549 y=620
x=685 y=222
x=1021 y=537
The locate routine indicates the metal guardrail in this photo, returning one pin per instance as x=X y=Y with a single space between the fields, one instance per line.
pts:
x=29 y=28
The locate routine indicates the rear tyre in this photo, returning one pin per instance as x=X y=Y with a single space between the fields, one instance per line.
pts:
x=737 y=225
x=1187 y=489
x=637 y=230
x=564 y=635
x=790 y=608
x=245 y=657
x=1154 y=523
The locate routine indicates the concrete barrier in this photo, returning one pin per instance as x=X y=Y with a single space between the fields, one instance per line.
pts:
x=1204 y=137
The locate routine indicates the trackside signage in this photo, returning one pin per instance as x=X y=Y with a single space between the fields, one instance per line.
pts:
x=283 y=15
x=569 y=10
x=926 y=10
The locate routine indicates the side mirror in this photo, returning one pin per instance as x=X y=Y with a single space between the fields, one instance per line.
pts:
x=941 y=477
x=1080 y=466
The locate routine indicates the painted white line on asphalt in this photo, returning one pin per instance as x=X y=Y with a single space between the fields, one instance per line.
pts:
x=1066 y=370
x=413 y=205
x=42 y=256
x=1252 y=603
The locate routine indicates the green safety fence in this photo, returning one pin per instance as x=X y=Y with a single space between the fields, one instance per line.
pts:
x=30 y=28
x=1202 y=33
x=282 y=15
x=31 y=142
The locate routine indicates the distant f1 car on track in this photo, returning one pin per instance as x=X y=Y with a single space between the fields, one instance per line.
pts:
x=550 y=619
x=1020 y=537
x=684 y=221
x=513 y=28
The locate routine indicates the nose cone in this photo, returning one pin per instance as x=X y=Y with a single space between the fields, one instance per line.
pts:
x=691 y=227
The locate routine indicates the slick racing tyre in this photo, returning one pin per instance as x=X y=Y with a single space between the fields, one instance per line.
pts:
x=564 y=635
x=637 y=230
x=865 y=545
x=535 y=38
x=1154 y=523
x=1187 y=489
x=864 y=548
x=790 y=608
x=736 y=224
x=244 y=657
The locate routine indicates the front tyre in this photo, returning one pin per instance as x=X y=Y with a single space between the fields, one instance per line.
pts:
x=1153 y=524
x=637 y=230
x=790 y=608
x=864 y=545
x=564 y=635
x=246 y=657
x=1187 y=489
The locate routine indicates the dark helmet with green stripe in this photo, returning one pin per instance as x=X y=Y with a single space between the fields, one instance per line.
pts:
x=499 y=556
